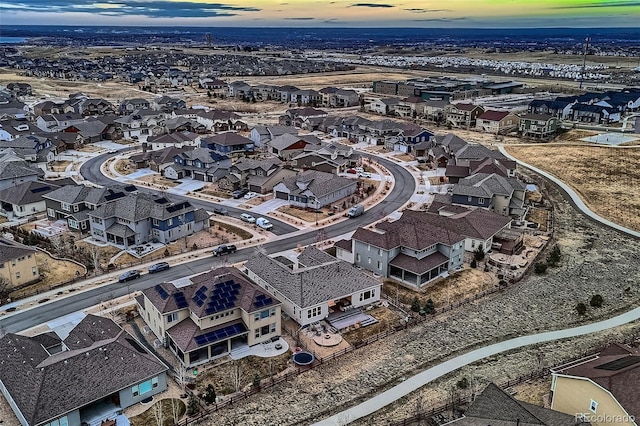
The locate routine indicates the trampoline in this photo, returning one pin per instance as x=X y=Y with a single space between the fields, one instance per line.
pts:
x=303 y=358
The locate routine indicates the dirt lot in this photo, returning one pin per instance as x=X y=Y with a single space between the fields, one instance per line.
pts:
x=158 y=180
x=386 y=317
x=539 y=216
x=124 y=166
x=607 y=178
x=58 y=166
x=150 y=417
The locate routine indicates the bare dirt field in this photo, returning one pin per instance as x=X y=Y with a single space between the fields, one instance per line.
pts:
x=58 y=166
x=158 y=180
x=387 y=318
x=124 y=166
x=606 y=178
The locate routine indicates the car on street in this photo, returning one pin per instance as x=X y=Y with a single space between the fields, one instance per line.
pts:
x=239 y=193
x=365 y=175
x=247 y=218
x=264 y=223
x=359 y=170
x=224 y=249
x=129 y=275
x=249 y=195
x=162 y=266
x=352 y=171
x=221 y=210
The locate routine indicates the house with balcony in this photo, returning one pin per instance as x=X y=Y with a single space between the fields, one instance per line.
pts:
x=559 y=108
x=141 y=124
x=239 y=89
x=503 y=195
x=139 y=218
x=85 y=375
x=603 y=389
x=497 y=122
x=333 y=97
x=73 y=203
x=409 y=249
x=200 y=164
x=314 y=189
x=315 y=286
x=210 y=315
x=411 y=107
x=539 y=126
x=306 y=97
x=462 y=115
x=228 y=143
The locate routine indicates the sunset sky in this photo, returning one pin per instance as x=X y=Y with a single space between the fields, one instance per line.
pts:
x=316 y=13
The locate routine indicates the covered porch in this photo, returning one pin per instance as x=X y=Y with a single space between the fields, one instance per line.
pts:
x=102 y=411
x=418 y=272
x=121 y=235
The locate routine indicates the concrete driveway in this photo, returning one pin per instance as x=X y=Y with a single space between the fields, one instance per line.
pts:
x=269 y=206
x=186 y=186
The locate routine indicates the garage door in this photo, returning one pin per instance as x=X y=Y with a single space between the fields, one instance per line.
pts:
x=282 y=195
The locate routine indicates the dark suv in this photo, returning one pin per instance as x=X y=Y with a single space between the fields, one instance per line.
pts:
x=224 y=249
x=221 y=210
x=129 y=275
x=239 y=193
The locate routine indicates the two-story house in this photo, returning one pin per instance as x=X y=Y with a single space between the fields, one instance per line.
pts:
x=216 y=312
x=199 y=163
x=409 y=249
x=258 y=175
x=411 y=107
x=314 y=189
x=32 y=148
x=462 y=115
x=139 y=218
x=496 y=122
x=14 y=171
x=141 y=124
x=332 y=158
x=288 y=145
x=157 y=160
x=539 y=126
x=177 y=139
x=317 y=286
x=228 y=143
x=18 y=265
x=128 y=106
x=217 y=120
x=25 y=199
x=503 y=195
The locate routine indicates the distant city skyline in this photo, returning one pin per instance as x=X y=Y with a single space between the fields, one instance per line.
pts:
x=314 y=13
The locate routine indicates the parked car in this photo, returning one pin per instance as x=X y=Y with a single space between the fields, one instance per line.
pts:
x=264 y=223
x=221 y=210
x=239 y=193
x=365 y=175
x=359 y=170
x=224 y=249
x=356 y=211
x=129 y=275
x=162 y=266
x=352 y=171
x=249 y=195
x=247 y=218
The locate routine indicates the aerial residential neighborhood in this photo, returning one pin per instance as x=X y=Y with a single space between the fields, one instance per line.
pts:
x=201 y=229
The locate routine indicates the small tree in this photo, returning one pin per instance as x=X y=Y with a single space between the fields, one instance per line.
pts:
x=540 y=268
x=429 y=307
x=554 y=257
x=256 y=380
x=210 y=394
x=415 y=305
x=474 y=264
x=581 y=308
x=192 y=406
x=596 y=301
x=479 y=253
x=462 y=383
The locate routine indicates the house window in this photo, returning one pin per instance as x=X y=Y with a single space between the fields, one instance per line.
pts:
x=170 y=221
x=263 y=314
x=34 y=270
x=357 y=257
x=17 y=275
x=366 y=295
x=480 y=200
x=62 y=421
x=154 y=382
x=172 y=317
x=593 y=406
x=65 y=207
x=51 y=213
x=155 y=222
x=379 y=252
x=73 y=223
x=469 y=199
x=369 y=260
x=314 y=312
x=379 y=265
x=76 y=208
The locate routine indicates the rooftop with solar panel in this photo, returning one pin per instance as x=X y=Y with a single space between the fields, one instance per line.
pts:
x=206 y=315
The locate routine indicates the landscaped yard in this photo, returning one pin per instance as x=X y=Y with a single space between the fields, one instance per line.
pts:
x=540 y=216
x=124 y=166
x=607 y=178
x=159 y=180
x=54 y=272
x=58 y=166
x=306 y=215
x=386 y=317
x=165 y=412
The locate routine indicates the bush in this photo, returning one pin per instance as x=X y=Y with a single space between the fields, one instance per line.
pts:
x=415 y=305
x=429 y=307
x=479 y=253
x=463 y=383
x=192 y=406
x=581 y=308
x=554 y=257
x=210 y=394
x=596 y=301
x=474 y=264
x=540 y=268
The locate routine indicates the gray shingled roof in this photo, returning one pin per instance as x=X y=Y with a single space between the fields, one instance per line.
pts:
x=475 y=151
x=319 y=183
x=320 y=282
x=102 y=360
x=228 y=139
x=26 y=192
x=17 y=169
x=10 y=250
x=487 y=185
x=135 y=207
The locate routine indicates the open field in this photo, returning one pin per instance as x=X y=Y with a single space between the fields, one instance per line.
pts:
x=606 y=178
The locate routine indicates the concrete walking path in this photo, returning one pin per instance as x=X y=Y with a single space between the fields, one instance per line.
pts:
x=416 y=382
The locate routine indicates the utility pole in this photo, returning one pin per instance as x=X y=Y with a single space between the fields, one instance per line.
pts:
x=584 y=59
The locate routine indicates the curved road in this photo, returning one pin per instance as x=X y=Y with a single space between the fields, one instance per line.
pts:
x=21 y=320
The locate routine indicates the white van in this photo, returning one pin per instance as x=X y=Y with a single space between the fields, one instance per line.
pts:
x=264 y=223
x=356 y=210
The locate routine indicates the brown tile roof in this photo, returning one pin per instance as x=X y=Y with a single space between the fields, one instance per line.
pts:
x=493 y=115
x=343 y=244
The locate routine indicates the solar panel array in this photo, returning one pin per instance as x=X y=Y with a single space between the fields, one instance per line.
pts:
x=181 y=302
x=262 y=301
x=223 y=297
x=620 y=363
x=162 y=292
x=40 y=189
x=200 y=296
x=222 y=334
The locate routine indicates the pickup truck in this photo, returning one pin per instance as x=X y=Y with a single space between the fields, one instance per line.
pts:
x=224 y=249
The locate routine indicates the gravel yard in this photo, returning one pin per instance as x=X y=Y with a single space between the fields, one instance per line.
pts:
x=595 y=260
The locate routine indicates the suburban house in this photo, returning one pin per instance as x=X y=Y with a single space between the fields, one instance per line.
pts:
x=216 y=313
x=411 y=107
x=287 y=146
x=177 y=139
x=55 y=122
x=496 y=407
x=25 y=199
x=95 y=106
x=213 y=84
x=261 y=135
x=220 y=121
x=339 y=98
x=540 y=126
x=503 y=195
x=559 y=108
x=603 y=389
x=498 y=122
x=73 y=203
x=500 y=166
x=228 y=143
x=258 y=175
x=265 y=92
x=91 y=130
x=306 y=117
x=383 y=106
x=128 y=106
x=462 y=115
x=157 y=160
x=434 y=110
x=595 y=114
x=239 y=89
x=18 y=264
x=139 y=218
x=476 y=153
x=409 y=249
x=409 y=136
x=332 y=158
x=32 y=148
x=11 y=129
x=65 y=377
x=168 y=104
x=306 y=97
x=199 y=163
x=316 y=286
x=14 y=172
x=141 y=124
x=314 y=189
